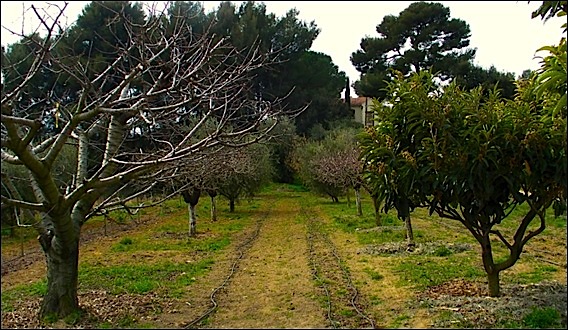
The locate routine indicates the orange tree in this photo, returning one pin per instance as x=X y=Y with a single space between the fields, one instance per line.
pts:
x=470 y=158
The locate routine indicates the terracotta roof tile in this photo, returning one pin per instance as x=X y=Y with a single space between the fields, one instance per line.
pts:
x=358 y=100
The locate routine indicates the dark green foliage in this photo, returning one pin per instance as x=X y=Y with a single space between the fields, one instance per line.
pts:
x=436 y=42
x=468 y=158
x=309 y=77
x=281 y=143
x=474 y=76
x=317 y=80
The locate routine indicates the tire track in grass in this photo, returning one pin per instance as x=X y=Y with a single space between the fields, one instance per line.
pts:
x=272 y=286
x=344 y=306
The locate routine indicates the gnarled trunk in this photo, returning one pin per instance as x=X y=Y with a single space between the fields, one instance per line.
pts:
x=62 y=257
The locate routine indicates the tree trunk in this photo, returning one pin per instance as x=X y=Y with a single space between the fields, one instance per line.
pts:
x=489 y=265
x=62 y=274
x=348 y=199
x=358 y=202
x=213 y=208
x=213 y=195
x=191 y=197
x=493 y=280
x=409 y=233
x=192 y=219
x=377 y=207
x=231 y=205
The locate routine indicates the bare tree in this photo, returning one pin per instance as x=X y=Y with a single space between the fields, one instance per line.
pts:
x=133 y=111
x=341 y=168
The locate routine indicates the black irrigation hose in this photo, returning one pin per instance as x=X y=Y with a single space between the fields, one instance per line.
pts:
x=346 y=276
x=315 y=271
x=240 y=249
x=350 y=282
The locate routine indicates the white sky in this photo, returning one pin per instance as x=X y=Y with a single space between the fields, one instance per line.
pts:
x=502 y=31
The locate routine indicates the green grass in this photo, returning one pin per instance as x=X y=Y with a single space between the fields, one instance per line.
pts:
x=399 y=321
x=542 y=318
x=142 y=278
x=538 y=274
x=423 y=272
x=173 y=244
x=34 y=289
x=376 y=276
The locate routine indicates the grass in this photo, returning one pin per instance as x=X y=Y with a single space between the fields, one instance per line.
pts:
x=119 y=269
x=542 y=318
x=11 y=296
x=376 y=276
x=118 y=272
x=167 y=277
x=423 y=271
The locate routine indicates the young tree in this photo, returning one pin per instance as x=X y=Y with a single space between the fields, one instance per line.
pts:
x=244 y=173
x=339 y=164
x=305 y=157
x=471 y=159
x=131 y=109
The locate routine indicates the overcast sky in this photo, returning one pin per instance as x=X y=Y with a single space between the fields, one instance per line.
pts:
x=502 y=31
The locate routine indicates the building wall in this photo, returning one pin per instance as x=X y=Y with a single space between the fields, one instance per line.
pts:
x=362 y=112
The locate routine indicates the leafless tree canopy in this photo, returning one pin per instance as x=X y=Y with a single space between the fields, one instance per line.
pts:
x=146 y=109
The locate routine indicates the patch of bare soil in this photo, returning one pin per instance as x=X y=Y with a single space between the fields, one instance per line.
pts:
x=428 y=248
x=470 y=306
x=100 y=308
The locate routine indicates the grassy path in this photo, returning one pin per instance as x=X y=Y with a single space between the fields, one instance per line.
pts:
x=273 y=288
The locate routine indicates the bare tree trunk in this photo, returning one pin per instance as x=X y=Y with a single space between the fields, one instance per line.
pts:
x=409 y=233
x=231 y=205
x=493 y=281
x=213 y=208
x=191 y=197
x=358 y=202
x=62 y=274
x=192 y=219
x=213 y=195
x=348 y=199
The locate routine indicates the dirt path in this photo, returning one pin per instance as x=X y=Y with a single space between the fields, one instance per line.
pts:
x=272 y=287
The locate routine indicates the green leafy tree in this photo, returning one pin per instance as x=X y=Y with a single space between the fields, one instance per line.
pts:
x=317 y=82
x=310 y=77
x=473 y=76
x=281 y=143
x=434 y=42
x=471 y=159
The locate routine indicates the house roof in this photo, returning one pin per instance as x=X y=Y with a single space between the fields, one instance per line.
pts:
x=359 y=100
